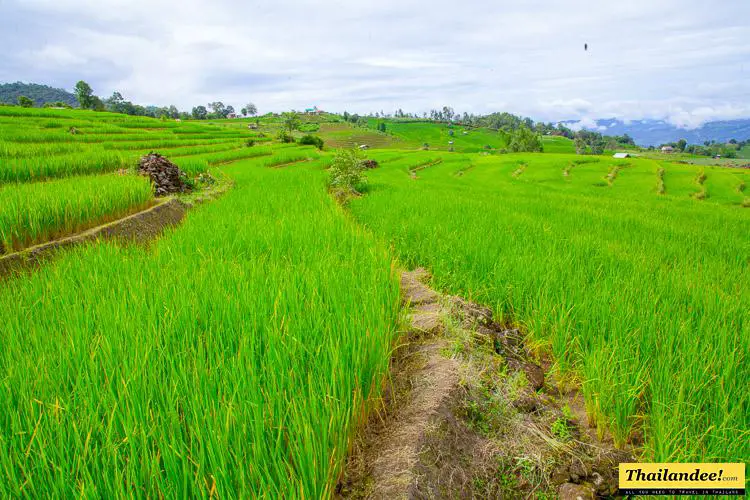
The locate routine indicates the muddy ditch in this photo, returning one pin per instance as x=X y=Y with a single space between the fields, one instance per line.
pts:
x=469 y=413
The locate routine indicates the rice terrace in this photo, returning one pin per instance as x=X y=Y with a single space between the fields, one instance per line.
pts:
x=309 y=304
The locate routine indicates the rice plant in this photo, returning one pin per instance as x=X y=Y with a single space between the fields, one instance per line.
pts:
x=641 y=296
x=36 y=212
x=41 y=167
x=225 y=360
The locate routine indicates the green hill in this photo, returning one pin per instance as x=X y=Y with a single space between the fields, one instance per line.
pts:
x=40 y=94
x=438 y=135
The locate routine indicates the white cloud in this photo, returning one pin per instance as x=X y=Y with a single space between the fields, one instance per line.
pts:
x=52 y=56
x=684 y=62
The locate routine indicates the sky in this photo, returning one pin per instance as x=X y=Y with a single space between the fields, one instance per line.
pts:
x=686 y=62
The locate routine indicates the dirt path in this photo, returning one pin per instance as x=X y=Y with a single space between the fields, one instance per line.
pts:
x=469 y=414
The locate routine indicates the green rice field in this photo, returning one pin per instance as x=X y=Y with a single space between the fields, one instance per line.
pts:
x=640 y=296
x=238 y=354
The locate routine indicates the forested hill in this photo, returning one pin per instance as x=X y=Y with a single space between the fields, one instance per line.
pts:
x=40 y=94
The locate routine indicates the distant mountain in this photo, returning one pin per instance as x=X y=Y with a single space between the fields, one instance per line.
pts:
x=9 y=93
x=655 y=132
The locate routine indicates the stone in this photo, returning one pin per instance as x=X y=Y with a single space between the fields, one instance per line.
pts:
x=535 y=375
x=570 y=491
x=166 y=177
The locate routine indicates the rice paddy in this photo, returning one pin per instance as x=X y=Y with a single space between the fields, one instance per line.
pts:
x=237 y=354
x=37 y=212
x=225 y=359
x=639 y=297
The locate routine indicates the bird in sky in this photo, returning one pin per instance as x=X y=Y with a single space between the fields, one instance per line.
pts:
x=585 y=46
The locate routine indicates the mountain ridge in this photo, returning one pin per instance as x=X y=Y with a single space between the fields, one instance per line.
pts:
x=39 y=93
x=651 y=132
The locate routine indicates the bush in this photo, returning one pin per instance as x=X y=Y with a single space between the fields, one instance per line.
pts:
x=525 y=140
x=345 y=172
x=25 y=102
x=250 y=143
x=58 y=104
x=311 y=140
x=285 y=137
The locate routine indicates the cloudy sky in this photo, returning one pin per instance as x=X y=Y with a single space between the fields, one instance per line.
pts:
x=686 y=61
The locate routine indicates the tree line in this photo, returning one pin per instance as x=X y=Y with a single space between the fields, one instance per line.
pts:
x=708 y=148
x=83 y=95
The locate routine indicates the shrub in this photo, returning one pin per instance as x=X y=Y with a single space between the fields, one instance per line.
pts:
x=57 y=104
x=25 y=102
x=525 y=140
x=250 y=143
x=285 y=137
x=312 y=140
x=345 y=172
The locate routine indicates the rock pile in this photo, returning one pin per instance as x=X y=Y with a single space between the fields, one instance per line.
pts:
x=166 y=177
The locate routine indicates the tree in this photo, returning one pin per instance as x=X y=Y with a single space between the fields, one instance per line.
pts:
x=85 y=94
x=251 y=109
x=200 y=112
x=291 y=121
x=217 y=108
x=229 y=110
x=580 y=145
x=525 y=140
x=681 y=144
x=448 y=113
x=174 y=113
x=116 y=103
x=97 y=104
x=25 y=102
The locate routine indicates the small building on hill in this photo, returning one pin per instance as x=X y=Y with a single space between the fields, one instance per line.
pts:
x=667 y=149
x=621 y=155
x=364 y=146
